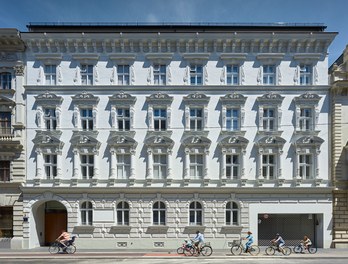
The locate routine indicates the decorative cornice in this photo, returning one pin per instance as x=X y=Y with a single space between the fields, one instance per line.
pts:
x=159 y=99
x=122 y=98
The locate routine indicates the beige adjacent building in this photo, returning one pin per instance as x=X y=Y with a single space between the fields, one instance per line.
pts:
x=339 y=91
x=12 y=135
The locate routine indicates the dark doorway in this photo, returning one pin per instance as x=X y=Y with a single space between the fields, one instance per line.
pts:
x=56 y=220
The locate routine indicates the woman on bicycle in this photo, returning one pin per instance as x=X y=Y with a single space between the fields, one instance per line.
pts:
x=250 y=241
x=306 y=242
x=279 y=241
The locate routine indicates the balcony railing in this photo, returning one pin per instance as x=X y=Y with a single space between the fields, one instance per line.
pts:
x=6 y=134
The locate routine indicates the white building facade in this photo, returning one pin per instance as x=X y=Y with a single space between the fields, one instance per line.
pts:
x=137 y=136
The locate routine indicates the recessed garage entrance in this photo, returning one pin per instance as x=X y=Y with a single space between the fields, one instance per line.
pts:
x=292 y=227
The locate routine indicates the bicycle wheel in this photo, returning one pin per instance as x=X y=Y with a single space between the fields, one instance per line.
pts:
x=236 y=250
x=180 y=250
x=270 y=251
x=312 y=250
x=53 y=249
x=189 y=251
x=297 y=249
x=206 y=251
x=254 y=250
x=71 y=249
x=286 y=251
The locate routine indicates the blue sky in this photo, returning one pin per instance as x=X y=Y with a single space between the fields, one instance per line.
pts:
x=332 y=13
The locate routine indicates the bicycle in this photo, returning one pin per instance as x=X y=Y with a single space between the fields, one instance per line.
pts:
x=205 y=249
x=238 y=247
x=186 y=248
x=274 y=247
x=300 y=248
x=68 y=248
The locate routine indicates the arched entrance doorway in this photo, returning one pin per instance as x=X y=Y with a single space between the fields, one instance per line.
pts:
x=56 y=220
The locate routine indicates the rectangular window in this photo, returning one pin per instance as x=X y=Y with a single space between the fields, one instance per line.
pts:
x=5 y=80
x=50 y=119
x=87 y=166
x=5 y=167
x=232 y=167
x=123 y=74
x=196 y=119
x=305 y=74
x=232 y=74
x=123 y=119
x=196 y=75
x=233 y=119
x=87 y=119
x=50 y=166
x=268 y=166
x=159 y=166
x=5 y=123
x=269 y=119
x=123 y=166
x=306 y=119
x=269 y=74
x=160 y=119
x=196 y=166
x=305 y=166
x=86 y=74
x=159 y=74
x=6 y=222
x=50 y=74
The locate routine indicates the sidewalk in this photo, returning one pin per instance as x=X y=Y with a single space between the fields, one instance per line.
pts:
x=43 y=253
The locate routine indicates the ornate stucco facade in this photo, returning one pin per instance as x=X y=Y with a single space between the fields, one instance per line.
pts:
x=12 y=137
x=137 y=136
x=339 y=92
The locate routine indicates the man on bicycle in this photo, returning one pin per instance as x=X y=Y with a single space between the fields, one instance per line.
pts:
x=63 y=239
x=198 y=241
x=250 y=239
x=279 y=241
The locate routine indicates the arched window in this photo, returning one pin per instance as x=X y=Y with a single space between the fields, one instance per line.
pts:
x=5 y=80
x=86 y=213
x=232 y=213
x=122 y=213
x=196 y=213
x=159 y=213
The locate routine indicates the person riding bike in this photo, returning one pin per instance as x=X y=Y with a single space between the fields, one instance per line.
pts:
x=63 y=238
x=279 y=241
x=250 y=241
x=198 y=241
x=306 y=242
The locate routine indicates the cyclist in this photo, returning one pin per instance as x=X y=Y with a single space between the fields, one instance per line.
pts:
x=250 y=239
x=198 y=241
x=279 y=241
x=306 y=242
x=63 y=239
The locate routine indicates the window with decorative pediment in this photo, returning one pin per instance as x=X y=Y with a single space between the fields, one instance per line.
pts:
x=122 y=111
x=196 y=70
x=48 y=149
x=122 y=150
x=232 y=72
x=269 y=72
x=196 y=157
x=123 y=69
x=306 y=162
x=5 y=80
x=86 y=153
x=49 y=70
x=85 y=111
x=270 y=112
x=159 y=111
x=270 y=149
x=48 y=111
x=232 y=112
x=159 y=71
x=306 y=70
x=307 y=112
x=159 y=150
x=196 y=112
x=87 y=70
x=232 y=157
